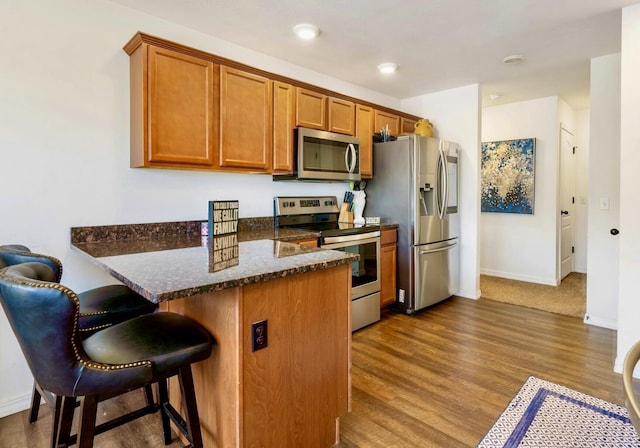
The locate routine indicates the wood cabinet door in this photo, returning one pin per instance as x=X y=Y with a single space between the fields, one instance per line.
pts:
x=388 y=260
x=180 y=105
x=310 y=243
x=245 y=120
x=383 y=119
x=341 y=116
x=283 y=126
x=365 y=130
x=311 y=109
x=407 y=125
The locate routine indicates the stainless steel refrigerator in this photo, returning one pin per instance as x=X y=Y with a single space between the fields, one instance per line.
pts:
x=415 y=185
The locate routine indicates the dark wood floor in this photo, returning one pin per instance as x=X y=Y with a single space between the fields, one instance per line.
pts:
x=437 y=379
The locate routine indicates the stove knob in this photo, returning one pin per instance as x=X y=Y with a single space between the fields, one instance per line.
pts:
x=291 y=204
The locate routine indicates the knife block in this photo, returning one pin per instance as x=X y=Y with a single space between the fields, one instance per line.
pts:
x=345 y=214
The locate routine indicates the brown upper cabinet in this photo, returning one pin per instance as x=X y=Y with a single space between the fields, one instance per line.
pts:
x=407 y=125
x=383 y=119
x=342 y=116
x=245 y=120
x=365 y=130
x=311 y=109
x=172 y=107
x=318 y=111
x=195 y=110
x=283 y=125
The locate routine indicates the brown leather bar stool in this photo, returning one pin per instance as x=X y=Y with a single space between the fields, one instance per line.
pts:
x=141 y=351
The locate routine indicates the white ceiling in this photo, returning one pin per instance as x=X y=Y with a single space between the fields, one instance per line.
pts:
x=437 y=44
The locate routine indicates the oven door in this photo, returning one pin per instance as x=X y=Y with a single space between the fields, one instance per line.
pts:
x=365 y=272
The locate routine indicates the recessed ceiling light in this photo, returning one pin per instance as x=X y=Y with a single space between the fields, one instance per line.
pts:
x=387 y=67
x=306 y=31
x=513 y=59
x=494 y=96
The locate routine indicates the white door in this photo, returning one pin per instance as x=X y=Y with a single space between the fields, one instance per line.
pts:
x=567 y=201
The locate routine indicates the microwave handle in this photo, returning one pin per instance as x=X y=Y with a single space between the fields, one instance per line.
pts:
x=350 y=149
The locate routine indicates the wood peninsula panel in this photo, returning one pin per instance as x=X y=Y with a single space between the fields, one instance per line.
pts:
x=283 y=126
x=383 y=119
x=172 y=106
x=245 y=120
x=365 y=130
x=291 y=393
x=311 y=109
x=216 y=379
x=341 y=116
x=296 y=388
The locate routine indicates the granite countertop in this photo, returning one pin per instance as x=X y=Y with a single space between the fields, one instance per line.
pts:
x=163 y=264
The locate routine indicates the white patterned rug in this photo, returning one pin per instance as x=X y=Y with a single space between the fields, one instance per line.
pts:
x=547 y=415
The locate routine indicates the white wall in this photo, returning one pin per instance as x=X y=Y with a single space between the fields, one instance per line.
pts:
x=604 y=181
x=629 y=259
x=455 y=115
x=517 y=246
x=64 y=142
x=582 y=189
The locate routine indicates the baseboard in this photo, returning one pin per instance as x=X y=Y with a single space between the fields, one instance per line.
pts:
x=519 y=277
x=468 y=294
x=619 y=365
x=15 y=405
x=599 y=322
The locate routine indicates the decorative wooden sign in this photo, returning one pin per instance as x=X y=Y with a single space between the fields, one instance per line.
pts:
x=223 y=217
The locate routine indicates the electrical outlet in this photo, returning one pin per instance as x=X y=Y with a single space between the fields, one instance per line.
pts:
x=259 y=335
x=401 y=296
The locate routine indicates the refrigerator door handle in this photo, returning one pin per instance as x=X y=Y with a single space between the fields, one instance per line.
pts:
x=443 y=183
x=441 y=249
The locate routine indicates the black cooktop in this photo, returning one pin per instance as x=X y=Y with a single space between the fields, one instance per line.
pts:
x=335 y=228
x=316 y=214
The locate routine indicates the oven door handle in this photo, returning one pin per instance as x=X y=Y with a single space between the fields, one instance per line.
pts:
x=357 y=238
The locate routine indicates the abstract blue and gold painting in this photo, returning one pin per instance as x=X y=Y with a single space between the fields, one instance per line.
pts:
x=508 y=176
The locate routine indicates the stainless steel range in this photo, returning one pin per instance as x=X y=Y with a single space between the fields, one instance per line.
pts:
x=320 y=214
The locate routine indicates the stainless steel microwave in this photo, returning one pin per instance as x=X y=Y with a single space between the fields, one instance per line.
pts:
x=322 y=155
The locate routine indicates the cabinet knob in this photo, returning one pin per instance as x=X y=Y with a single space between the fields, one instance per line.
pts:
x=614 y=231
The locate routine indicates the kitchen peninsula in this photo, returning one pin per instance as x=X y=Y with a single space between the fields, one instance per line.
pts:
x=290 y=393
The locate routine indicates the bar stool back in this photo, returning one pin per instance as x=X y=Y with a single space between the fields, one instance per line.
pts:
x=99 y=307
x=132 y=354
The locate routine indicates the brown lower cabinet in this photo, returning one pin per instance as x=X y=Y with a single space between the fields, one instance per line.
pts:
x=310 y=243
x=388 y=260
